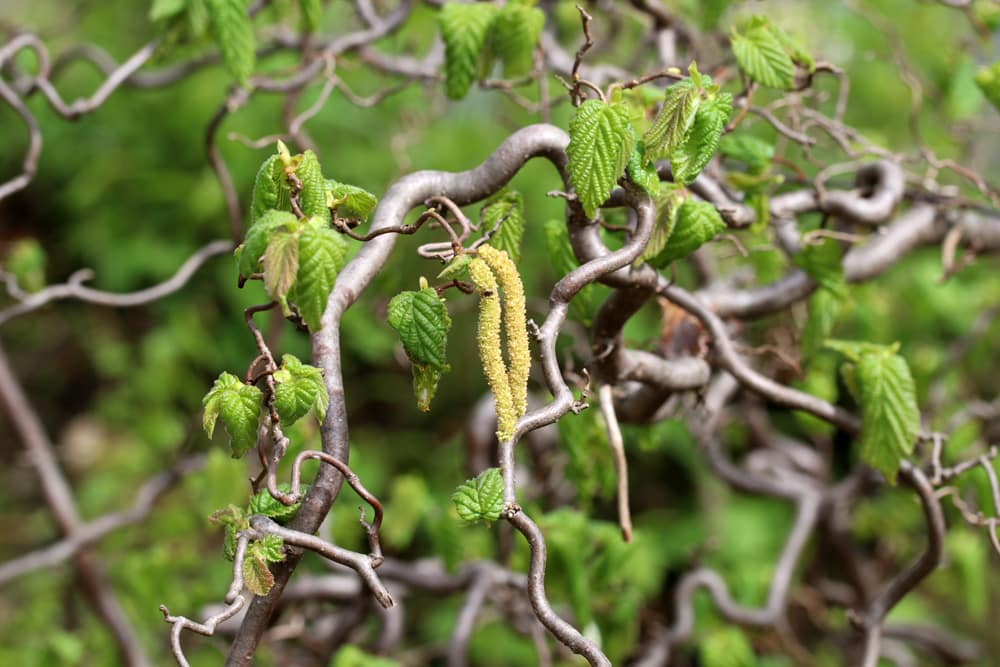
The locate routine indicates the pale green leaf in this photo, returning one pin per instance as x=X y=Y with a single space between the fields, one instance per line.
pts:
x=641 y=171
x=673 y=123
x=697 y=224
x=256 y=575
x=198 y=17
x=425 y=384
x=763 y=57
x=265 y=504
x=321 y=256
x=350 y=201
x=299 y=388
x=165 y=9
x=508 y=208
x=281 y=264
x=889 y=412
x=514 y=35
x=26 y=262
x=480 y=499
x=233 y=34
x=239 y=406
x=694 y=153
x=231 y=515
x=269 y=548
x=667 y=207
x=988 y=80
x=755 y=153
x=853 y=350
x=457 y=269
x=312 y=198
x=259 y=236
x=600 y=145
x=312 y=13
x=266 y=187
x=793 y=48
x=422 y=322
x=464 y=28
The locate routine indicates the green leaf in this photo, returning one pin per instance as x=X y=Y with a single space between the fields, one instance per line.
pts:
x=464 y=28
x=256 y=575
x=299 y=388
x=233 y=34
x=988 y=80
x=726 y=647
x=350 y=201
x=755 y=153
x=422 y=322
x=600 y=144
x=312 y=198
x=264 y=503
x=763 y=57
x=695 y=152
x=457 y=269
x=854 y=350
x=425 y=384
x=231 y=515
x=239 y=406
x=258 y=237
x=514 y=34
x=281 y=264
x=266 y=188
x=165 y=9
x=269 y=548
x=26 y=262
x=673 y=123
x=508 y=207
x=822 y=261
x=641 y=171
x=321 y=257
x=824 y=309
x=889 y=412
x=793 y=48
x=312 y=13
x=667 y=208
x=352 y=656
x=697 y=223
x=480 y=499
x=563 y=261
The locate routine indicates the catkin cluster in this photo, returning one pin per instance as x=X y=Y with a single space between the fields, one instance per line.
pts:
x=510 y=388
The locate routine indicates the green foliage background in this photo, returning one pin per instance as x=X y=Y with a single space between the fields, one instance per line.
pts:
x=127 y=191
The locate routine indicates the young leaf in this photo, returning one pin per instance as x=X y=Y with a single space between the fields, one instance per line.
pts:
x=299 y=388
x=312 y=13
x=258 y=237
x=697 y=223
x=694 y=153
x=822 y=261
x=988 y=80
x=256 y=575
x=673 y=122
x=824 y=308
x=321 y=256
x=509 y=208
x=641 y=171
x=600 y=144
x=230 y=515
x=763 y=57
x=165 y=9
x=514 y=34
x=667 y=207
x=233 y=34
x=457 y=269
x=269 y=548
x=312 y=198
x=422 y=321
x=265 y=189
x=239 y=406
x=755 y=153
x=425 y=383
x=264 y=503
x=889 y=412
x=854 y=350
x=26 y=262
x=281 y=263
x=480 y=499
x=463 y=28
x=350 y=201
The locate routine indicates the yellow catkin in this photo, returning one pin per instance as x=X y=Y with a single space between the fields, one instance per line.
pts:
x=515 y=323
x=488 y=336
